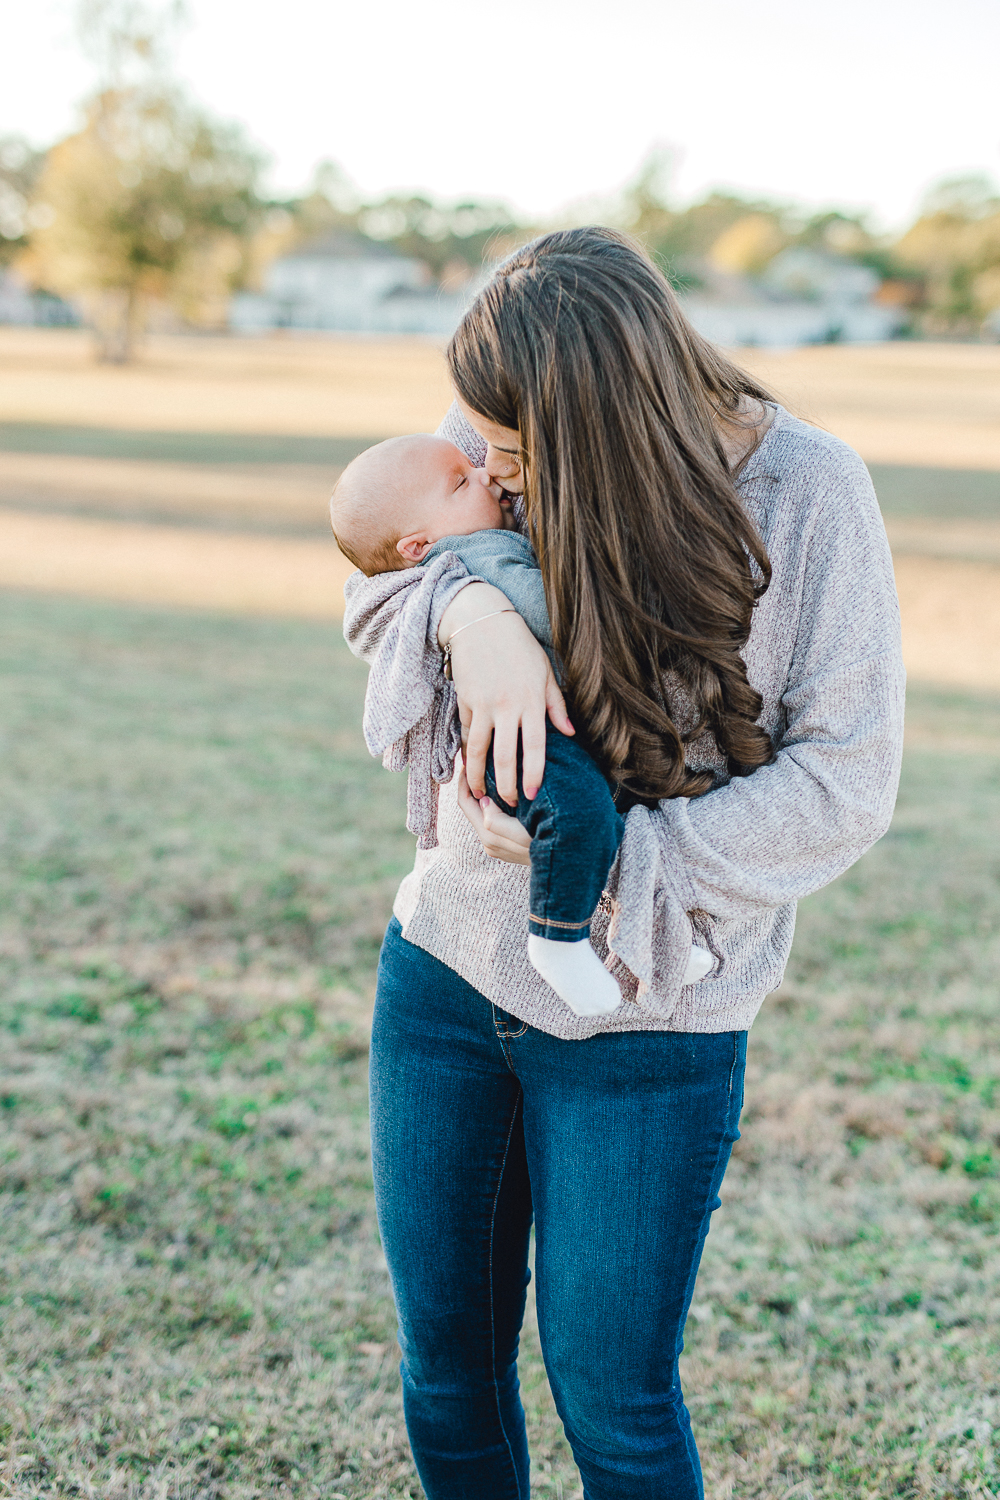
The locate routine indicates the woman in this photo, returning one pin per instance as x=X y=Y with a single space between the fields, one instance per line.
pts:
x=722 y=602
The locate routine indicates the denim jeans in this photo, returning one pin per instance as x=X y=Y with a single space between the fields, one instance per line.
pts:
x=575 y=832
x=617 y=1146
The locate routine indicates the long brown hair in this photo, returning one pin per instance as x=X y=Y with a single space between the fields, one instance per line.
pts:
x=650 y=562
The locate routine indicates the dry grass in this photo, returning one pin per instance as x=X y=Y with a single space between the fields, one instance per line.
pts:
x=246 y=496
x=951 y=621
x=336 y=386
x=920 y=404
x=229 y=571
x=200 y=859
x=964 y=540
x=910 y=404
x=951 y=608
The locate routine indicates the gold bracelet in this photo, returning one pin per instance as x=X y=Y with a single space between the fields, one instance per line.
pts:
x=447 y=645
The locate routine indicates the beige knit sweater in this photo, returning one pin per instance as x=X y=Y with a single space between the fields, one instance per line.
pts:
x=728 y=867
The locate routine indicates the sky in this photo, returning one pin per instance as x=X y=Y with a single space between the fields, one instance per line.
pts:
x=860 y=104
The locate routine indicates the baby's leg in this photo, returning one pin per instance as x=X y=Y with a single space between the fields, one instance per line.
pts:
x=575 y=833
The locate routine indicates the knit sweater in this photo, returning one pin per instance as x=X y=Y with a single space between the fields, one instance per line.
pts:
x=726 y=868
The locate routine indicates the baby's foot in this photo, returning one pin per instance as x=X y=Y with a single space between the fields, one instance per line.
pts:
x=699 y=964
x=576 y=974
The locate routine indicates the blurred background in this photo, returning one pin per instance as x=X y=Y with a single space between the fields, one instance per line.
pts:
x=232 y=245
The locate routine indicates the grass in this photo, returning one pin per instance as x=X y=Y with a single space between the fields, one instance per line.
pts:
x=179 y=447
x=310 y=387
x=200 y=858
x=200 y=861
x=194 y=567
x=899 y=404
x=910 y=492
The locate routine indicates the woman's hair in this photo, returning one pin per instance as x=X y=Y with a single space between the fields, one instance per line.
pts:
x=650 y=561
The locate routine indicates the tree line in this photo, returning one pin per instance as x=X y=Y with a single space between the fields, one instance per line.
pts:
x=152 y=201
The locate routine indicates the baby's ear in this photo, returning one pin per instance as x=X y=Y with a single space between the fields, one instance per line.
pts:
x=414 y=548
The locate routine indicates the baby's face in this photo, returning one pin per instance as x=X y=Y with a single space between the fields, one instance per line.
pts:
x=445 y=496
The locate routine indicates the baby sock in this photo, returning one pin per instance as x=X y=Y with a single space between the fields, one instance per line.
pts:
x=576 y=974
x=698 y=965
x=580 y=979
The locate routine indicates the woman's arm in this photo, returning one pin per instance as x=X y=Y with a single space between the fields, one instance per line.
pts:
x=767 y=839
x=504 y=682
x=505 y=687
x=749 y=849
x=398 y=623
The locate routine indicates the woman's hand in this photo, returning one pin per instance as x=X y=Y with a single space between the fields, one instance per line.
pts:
x=505 y=687
x=501 y=836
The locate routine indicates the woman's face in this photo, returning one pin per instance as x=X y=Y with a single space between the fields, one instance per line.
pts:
x=503 y=450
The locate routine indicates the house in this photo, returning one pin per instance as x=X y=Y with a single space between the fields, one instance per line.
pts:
x=349 y=284
x=20 y=305
x=804 y=296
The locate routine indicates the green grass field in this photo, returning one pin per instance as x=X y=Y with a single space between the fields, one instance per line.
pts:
x=200 y=859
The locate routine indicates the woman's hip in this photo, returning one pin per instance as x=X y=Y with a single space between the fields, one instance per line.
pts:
x=618 y=1118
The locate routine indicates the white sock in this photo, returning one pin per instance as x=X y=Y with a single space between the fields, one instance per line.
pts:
x=576 y=974
x=699 y=964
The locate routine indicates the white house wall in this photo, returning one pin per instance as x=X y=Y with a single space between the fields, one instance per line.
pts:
x=785 y=324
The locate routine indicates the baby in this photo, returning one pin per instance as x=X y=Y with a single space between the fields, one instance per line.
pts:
x=400 y=505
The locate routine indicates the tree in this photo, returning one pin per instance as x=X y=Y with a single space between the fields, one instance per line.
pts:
x=151 y=199
x=749 y=244
x=443 y=236
x=955 y=246
x=20 y=167
x=746 y=232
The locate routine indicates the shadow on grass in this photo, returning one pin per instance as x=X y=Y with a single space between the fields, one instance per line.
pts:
x=179 y=447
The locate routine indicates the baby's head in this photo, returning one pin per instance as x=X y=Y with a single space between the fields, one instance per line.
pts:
x=397 y=499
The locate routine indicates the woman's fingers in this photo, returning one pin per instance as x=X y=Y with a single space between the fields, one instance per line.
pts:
x=533 y=752
x=503 y=680
x=465 y=719
x=502 y=837
x=555 y=706
x=533 y=735
x=477 y=745
x=505 y=734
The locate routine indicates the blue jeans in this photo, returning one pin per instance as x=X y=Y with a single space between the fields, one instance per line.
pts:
x=617 y=1146
x=575 y=831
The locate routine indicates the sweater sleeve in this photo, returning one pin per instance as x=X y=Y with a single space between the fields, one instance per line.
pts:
x=790 y=827
x=411 y=712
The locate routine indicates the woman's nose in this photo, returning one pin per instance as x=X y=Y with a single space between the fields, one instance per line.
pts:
x=500 y=465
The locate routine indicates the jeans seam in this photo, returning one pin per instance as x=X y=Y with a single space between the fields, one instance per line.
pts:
x=736 y=1053
x=501 y=1035
x=493 y=1336
x=504 y=1034
x=551 y=922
